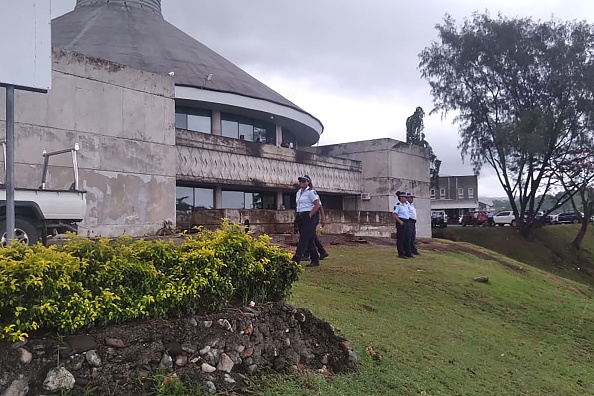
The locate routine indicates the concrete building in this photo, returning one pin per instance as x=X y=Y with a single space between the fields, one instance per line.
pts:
x=171 y=130
x=456 y=195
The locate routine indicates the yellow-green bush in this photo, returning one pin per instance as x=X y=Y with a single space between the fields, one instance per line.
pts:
x=96 y=282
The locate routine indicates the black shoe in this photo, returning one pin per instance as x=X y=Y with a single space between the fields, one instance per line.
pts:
x=323 y=255
x=416 y=253
x=410 y=256
x=314 y=264
x=296 y=259
x=402 y=256
x=306 y=257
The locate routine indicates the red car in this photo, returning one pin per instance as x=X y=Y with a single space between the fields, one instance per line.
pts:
x=479 y=217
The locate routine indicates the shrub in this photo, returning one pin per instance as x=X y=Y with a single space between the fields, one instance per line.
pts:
x=96 y=282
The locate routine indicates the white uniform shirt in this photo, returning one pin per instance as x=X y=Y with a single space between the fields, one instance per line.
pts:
x=401 y=210
x=412 y=211
x=305 y=200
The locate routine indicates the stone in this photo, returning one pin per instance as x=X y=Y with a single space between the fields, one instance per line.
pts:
x=204 y=350
x=18 y=387
x=300 y=317
x=193 y=322
x=80 y=343
x=482 y=279
x=228 y=379
x=93 y=358
x=224 y=323
x=181 y=360
x=25 y=356
x=207 y=323
x=209 y=387
x=247 y=352
x=187 y=348
x=166 y=361
x=58 y=379
x=114 y=342
x=225 y=363
x=207 y=368
x=75 y=362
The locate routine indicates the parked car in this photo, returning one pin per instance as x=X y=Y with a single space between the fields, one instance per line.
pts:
x=568 y=217
x=439 y=218
x=478 y=217
x=505 y=217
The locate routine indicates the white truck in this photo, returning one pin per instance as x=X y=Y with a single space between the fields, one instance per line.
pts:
x=43 y=211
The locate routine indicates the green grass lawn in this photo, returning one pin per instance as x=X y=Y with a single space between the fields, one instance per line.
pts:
x=440 y=333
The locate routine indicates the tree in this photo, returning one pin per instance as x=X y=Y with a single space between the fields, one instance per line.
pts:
x=415 y=135
x=523 y=94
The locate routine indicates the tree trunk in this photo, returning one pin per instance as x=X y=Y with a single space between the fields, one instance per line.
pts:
x=577 y=242
x=526 y=229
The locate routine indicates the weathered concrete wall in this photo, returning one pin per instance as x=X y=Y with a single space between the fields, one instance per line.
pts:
x=123 y=120
x=218 y=160
x=388 y=166
x=359 y=223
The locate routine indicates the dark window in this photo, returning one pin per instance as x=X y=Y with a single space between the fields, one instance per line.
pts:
x=247 y=129
x=331 y=201
x=188 y=198
x=197 y=120
x=230 y=128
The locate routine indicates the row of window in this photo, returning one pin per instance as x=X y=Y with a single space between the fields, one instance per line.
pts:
x=232 y=126
x=442 y=193
x=190 y=198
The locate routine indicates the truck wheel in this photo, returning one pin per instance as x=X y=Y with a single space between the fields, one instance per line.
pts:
x=24 y=232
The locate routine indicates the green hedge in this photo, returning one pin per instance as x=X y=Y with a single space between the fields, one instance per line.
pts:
x=97 y=282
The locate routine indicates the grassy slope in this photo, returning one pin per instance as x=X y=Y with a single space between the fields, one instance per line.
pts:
x=549 y=250
x=441 y=333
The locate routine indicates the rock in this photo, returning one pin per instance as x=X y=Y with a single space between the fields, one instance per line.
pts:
x=207 y=368
x=300 y=317
x=173 y=348
x=209 y=387
x=114 y=342
x=207 y=323
x=166 y=361
x=181 y=360
x=247 y=352
x=187 y=348
x=18 y=387
x=228 y=379
x=25 y=356
x=224 y=323
x=75 y=362
x=58 y=379
x=204 y=350
x=225 y=363
x=193 y=322
x=252 y=368
x=93 y=358
x=482 y=279
x=279 y=363
x=80 y=343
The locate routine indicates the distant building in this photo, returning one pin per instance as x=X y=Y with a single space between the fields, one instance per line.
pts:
x=455 y=195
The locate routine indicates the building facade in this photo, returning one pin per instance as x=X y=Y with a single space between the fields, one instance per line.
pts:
x=169 y=130
x=455 y=195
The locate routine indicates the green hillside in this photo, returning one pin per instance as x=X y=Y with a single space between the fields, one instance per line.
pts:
x=425 y=327
x=549 y=250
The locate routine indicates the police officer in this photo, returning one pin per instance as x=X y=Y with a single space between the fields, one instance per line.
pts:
x=308 y=205
x=402 y=215
x=413 y=223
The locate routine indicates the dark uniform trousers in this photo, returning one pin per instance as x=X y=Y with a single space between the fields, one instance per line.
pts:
x=413 y=236
x=307 y=232
x=403 y=243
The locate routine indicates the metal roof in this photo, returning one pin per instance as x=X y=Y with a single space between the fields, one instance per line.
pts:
x=134 y=33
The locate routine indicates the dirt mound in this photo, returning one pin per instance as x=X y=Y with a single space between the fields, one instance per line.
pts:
x=216 y=351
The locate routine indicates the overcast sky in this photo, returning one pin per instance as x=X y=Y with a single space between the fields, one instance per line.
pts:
x=352 y=64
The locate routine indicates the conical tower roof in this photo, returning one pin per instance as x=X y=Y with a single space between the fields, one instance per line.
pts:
x=134 y=33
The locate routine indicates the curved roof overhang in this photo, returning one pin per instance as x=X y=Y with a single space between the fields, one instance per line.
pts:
x=306 y=128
